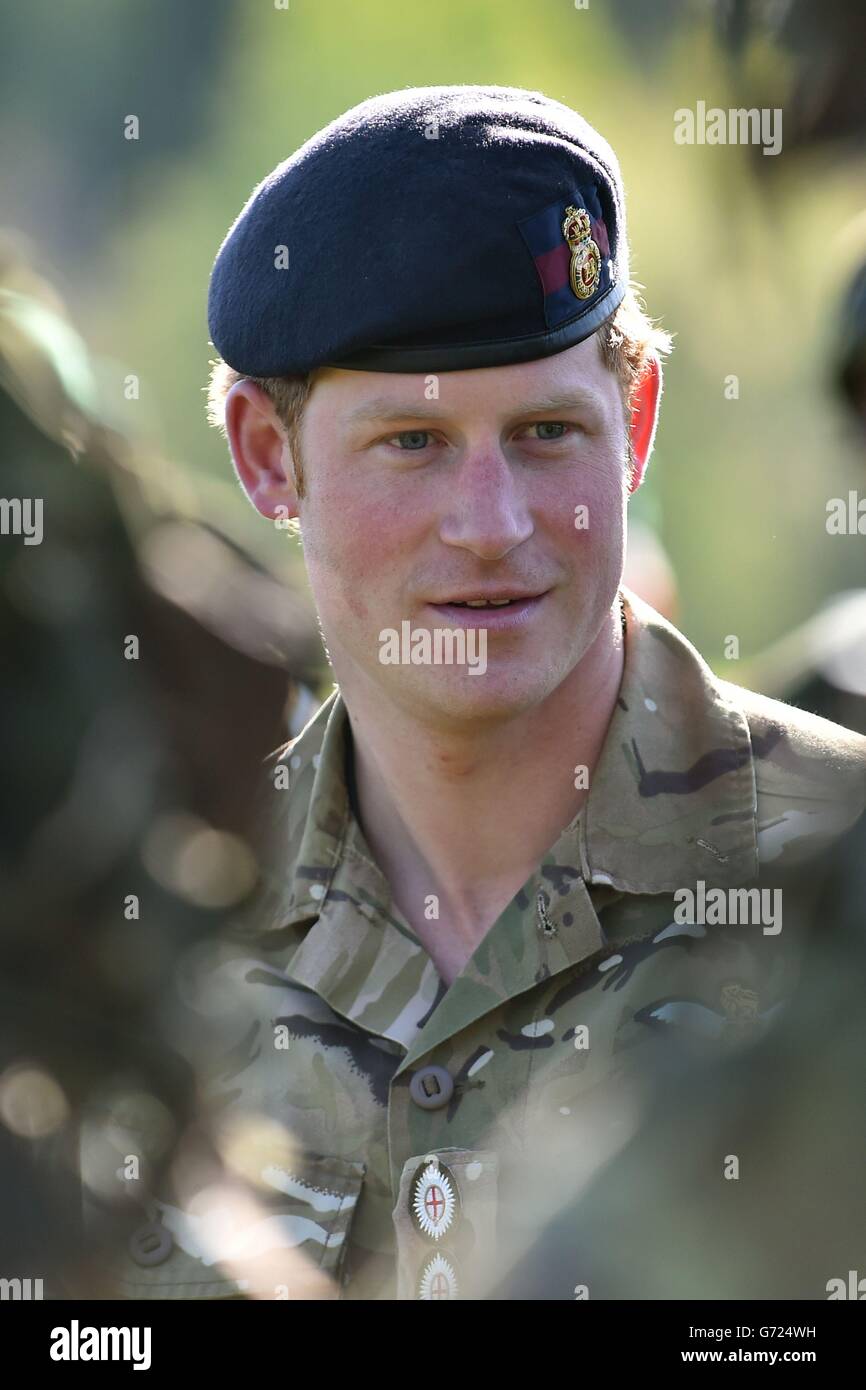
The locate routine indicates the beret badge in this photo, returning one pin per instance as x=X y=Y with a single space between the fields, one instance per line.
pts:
x=585 y=267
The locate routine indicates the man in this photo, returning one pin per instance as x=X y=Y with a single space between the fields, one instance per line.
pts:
x=467 y=935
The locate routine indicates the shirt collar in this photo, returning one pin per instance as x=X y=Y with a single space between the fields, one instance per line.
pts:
x=672 y=800
x=672 y=796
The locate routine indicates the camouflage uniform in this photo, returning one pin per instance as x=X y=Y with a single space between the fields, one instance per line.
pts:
x=409 y=1107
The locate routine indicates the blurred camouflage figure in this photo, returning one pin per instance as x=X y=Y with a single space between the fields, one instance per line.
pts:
x=746 y=1179
x=821 y=665
x=822 y=89
x=128 y=787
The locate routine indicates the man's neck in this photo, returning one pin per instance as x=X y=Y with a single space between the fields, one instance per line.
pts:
x=466 y=817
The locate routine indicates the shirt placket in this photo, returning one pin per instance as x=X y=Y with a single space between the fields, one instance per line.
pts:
x=445 y=1108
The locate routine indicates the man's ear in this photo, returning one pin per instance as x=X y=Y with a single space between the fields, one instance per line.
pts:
x=644 y=418
x=260 y=451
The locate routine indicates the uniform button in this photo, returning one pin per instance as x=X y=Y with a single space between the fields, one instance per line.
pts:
x=431 y=1087
x=151 y=1244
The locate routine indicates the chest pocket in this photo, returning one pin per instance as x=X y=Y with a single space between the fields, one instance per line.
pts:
x=285 y=1240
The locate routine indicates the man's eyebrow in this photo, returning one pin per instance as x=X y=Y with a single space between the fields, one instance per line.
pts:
x=569 y=400
x=383 y=409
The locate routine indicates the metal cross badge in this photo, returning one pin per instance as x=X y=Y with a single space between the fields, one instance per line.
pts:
x=433 y=1199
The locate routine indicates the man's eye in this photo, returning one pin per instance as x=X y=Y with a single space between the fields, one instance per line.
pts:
x=550 y=429
x=412 y=439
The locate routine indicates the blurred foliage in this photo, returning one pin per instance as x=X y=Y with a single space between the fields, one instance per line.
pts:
x=742 y=255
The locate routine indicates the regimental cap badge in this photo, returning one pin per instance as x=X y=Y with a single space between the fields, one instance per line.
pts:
x=439 y=1279
x=433 y=1199
x=585 y=268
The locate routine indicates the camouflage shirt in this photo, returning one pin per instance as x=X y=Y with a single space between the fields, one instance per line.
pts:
x=401 y=1133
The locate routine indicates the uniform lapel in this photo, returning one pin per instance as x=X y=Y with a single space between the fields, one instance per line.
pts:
x=324 y=892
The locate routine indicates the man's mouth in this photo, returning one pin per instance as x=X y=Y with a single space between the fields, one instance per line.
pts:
x=494 y=600
x=481 y=602
x=497 y=609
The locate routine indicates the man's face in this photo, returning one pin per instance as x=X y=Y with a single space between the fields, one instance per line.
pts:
x=413 y=503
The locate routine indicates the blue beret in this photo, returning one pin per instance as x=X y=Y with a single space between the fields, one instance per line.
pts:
x=426 y=230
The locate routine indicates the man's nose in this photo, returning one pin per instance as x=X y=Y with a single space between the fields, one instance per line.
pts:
x=486 y=510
